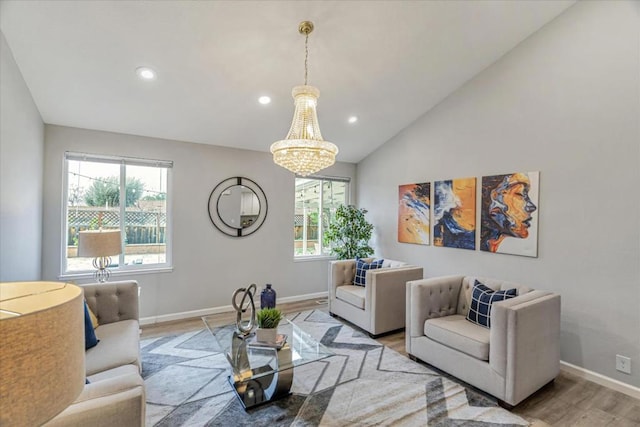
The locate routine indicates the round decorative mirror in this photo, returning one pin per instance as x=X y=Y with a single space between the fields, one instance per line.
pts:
x=237 y=206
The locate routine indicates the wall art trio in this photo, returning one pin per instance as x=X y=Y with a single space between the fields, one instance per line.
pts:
x=508 y=213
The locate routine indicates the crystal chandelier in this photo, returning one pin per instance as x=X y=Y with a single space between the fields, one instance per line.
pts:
x=303 y=151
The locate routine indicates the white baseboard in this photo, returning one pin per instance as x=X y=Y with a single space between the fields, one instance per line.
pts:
x=317 y=295
x=223 y=309
x=597 y=378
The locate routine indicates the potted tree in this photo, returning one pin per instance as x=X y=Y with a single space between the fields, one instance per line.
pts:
x=349 y=233
x=268 y=320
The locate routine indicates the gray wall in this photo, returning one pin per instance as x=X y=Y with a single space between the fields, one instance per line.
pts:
x=21 y=159
x=565 y=102
x=208 y=265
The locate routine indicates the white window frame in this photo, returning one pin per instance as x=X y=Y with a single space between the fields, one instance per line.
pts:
x=347 y=181
x=122 y=269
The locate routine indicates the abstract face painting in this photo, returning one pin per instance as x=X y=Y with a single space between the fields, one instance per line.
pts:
x=455 y=213
x=509 y=220
x=414 y=204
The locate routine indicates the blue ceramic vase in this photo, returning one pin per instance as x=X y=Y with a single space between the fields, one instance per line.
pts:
x=268 y=297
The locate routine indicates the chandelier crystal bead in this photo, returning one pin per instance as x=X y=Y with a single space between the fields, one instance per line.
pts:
x=303 y=151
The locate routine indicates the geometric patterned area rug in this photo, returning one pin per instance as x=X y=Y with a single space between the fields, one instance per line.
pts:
x=363 y=384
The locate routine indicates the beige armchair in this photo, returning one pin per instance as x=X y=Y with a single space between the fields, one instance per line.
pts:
x=379 y=306
x=518 y=355
x=115 y=395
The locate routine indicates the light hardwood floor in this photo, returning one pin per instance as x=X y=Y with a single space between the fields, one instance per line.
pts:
x=569 y=401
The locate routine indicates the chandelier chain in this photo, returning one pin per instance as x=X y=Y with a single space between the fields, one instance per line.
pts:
x=306 y=57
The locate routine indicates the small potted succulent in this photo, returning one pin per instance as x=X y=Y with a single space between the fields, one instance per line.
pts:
x=268 y=320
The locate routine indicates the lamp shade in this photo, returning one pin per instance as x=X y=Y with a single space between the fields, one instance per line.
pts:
x=99 y=243
x=42 y=368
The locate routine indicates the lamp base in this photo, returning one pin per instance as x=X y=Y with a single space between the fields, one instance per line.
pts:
x=101 y=265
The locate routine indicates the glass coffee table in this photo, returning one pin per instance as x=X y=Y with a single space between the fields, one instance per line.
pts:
x=261 y=372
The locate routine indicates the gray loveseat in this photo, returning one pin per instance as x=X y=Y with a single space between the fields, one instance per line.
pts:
x=115 y=395
x=515 y=357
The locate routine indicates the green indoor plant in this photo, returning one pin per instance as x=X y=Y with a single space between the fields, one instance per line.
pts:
x=349 y=233
x=268 y=320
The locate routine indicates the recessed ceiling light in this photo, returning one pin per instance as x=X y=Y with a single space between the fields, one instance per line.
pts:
x=145 y=73
x=353 y=119
x=264 y=100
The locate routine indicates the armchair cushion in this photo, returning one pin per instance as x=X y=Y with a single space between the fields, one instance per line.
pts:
x=456 y=332
x=361 y=270
x=118 y=346
x=481 y=299
x=466 y=289
x=354 y=295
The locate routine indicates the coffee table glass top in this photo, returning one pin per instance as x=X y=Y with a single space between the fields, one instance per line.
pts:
x=245 y=354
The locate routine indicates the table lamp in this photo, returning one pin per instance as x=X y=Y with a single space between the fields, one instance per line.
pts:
x=100 y=244
x=42 y=368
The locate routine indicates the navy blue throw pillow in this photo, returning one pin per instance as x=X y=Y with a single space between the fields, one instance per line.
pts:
x=361 y=270
x=90 y=339
x=481 y=299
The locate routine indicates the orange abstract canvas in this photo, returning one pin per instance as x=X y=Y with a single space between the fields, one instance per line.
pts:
x=414 y=204
x=455 y=213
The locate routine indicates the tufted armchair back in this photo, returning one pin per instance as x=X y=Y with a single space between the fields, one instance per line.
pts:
x=447 y=296
x=113 y=301
x=345 y=271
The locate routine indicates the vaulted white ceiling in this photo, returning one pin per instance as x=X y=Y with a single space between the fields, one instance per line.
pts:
x=387 y=62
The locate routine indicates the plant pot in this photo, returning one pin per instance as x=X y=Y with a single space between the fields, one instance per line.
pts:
x=267 y=335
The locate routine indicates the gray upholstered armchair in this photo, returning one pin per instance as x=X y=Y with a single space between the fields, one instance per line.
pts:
x=379 y=306
x=518 y=355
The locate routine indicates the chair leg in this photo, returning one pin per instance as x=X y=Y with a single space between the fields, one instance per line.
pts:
x=376 y=336
x=505 y=405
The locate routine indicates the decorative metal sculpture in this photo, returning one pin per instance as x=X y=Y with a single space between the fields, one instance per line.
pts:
x=245 y=326
x=239 y=358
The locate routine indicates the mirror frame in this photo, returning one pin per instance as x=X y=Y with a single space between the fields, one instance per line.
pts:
x=214 y=214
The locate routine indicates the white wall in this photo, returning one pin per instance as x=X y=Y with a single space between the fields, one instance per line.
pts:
x=21 y=159
x=565 y=102
x=208 y=265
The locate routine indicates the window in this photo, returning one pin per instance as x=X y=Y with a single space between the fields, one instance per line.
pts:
x=316 y=203
x=93 y=189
